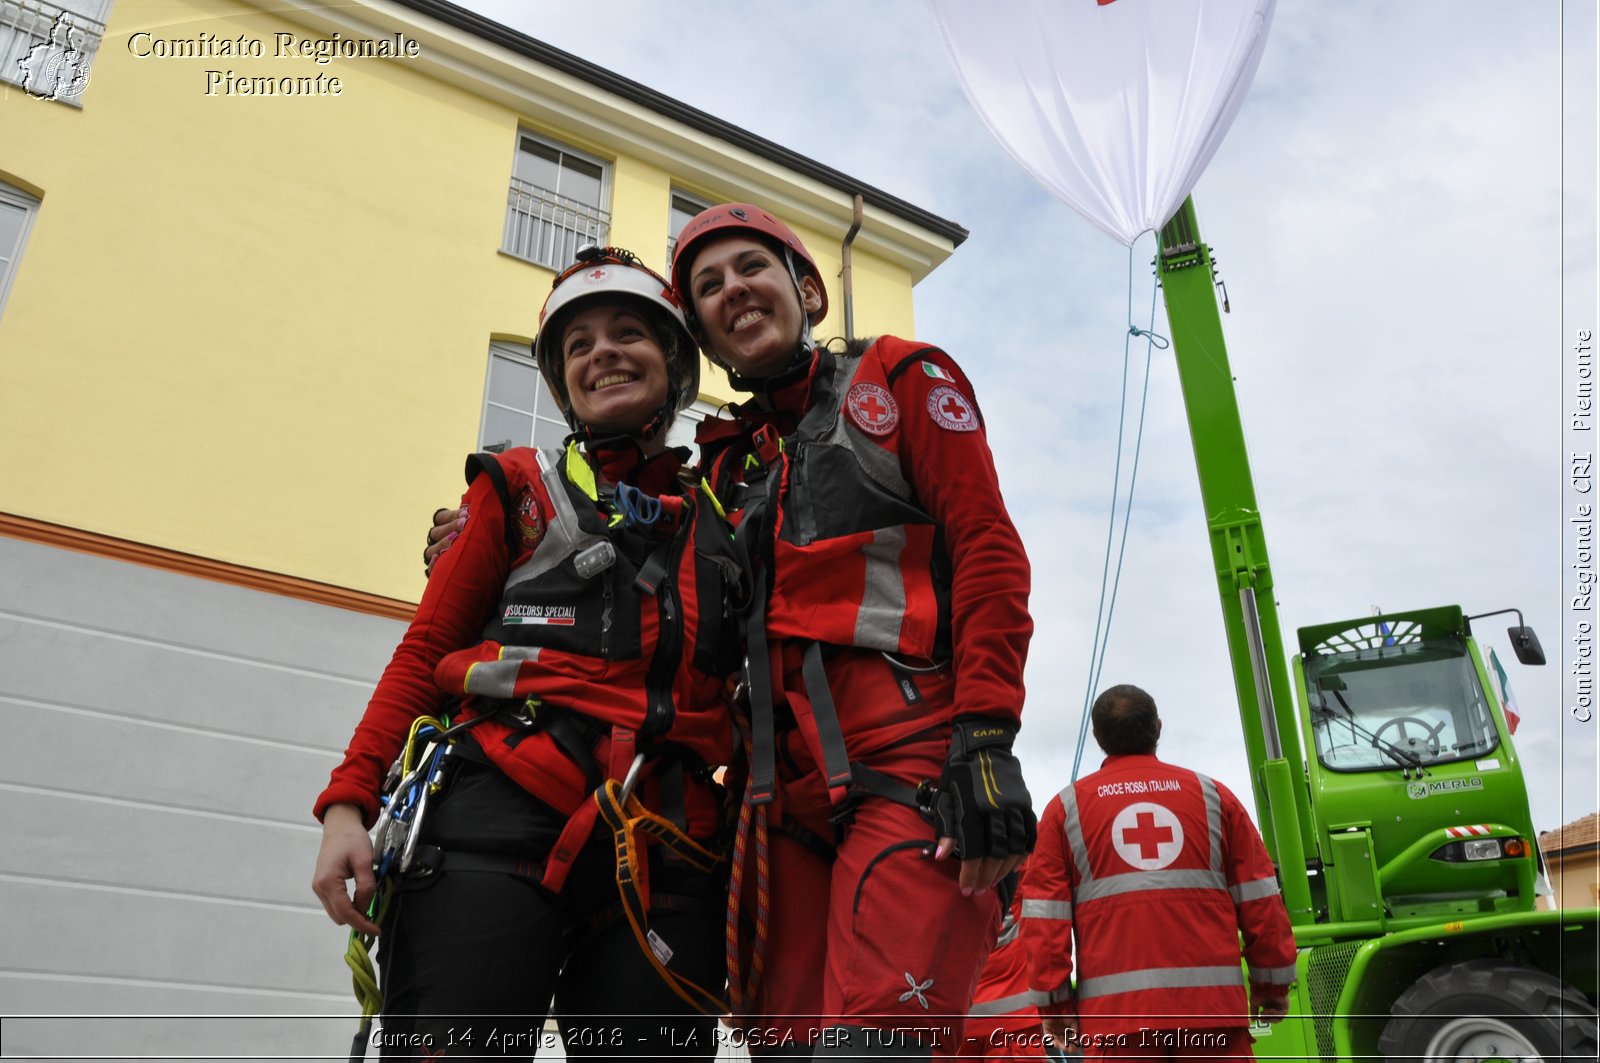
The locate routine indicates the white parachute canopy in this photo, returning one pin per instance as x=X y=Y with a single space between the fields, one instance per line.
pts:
x=1115 y=106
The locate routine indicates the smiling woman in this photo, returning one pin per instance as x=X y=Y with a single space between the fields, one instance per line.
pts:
x=581 y=619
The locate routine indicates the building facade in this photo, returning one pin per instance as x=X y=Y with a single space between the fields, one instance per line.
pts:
x=268 y=272
x=1572 y=862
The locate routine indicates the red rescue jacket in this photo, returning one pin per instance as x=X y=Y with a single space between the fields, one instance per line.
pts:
x=883 y=530
x=1154 y=871
x=543 y=597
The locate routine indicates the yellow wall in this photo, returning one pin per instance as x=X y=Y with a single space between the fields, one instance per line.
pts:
x=1575 y=879
x=255 y=328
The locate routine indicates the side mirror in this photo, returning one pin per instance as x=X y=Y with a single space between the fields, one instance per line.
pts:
x=1526 y=644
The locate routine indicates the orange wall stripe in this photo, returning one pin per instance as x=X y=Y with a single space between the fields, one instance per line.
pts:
x=57 y=535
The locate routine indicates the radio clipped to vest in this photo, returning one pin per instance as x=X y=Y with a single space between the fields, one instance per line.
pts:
x=594 y=559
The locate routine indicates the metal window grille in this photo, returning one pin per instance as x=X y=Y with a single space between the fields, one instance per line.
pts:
x=545 y=227
x=26 y=24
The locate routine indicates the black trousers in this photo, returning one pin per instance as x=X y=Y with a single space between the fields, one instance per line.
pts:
x=471 y=962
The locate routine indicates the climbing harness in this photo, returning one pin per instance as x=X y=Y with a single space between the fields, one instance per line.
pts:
x=627 y=817
x=413 y=778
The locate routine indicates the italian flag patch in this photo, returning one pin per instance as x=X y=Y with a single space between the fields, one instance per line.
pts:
x=936 y=372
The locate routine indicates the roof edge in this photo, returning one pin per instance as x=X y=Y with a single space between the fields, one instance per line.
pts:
x=515 y=41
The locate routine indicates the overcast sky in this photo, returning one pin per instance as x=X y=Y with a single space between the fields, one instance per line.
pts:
x=1388 y=216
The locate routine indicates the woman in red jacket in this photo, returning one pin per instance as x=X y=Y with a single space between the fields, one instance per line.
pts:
x=885 y=650
x=582 y=617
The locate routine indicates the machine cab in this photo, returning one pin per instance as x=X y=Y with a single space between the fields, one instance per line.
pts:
x=1413 y=772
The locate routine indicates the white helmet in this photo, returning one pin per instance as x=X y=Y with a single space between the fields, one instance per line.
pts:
x=612 y=275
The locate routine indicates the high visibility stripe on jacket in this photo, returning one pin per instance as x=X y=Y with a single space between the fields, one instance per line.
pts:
x=1153 y=872
x=887 y=532
x=1003 y=982
x=642 y=643
x=606 y=643
x=854 y=559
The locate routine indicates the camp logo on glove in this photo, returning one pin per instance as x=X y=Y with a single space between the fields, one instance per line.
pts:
x=982 y=800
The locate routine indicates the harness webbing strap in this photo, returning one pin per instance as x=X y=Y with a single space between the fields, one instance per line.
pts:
x=627 y=817
x=489 y=465
x=835 y=762
x=763 y=738
x=866 y=782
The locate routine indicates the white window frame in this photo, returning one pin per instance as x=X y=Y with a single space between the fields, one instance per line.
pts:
x=673 y=230
x=681 y=434
x=14 y=198
x=544 y=404
x=546 y=227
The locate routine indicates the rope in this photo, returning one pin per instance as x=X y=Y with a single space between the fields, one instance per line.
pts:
x=752 y=820
x=627 y=815
x=1107 y=607
x=358 y=949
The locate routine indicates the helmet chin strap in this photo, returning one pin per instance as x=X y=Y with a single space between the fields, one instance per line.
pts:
x=800 y=363
x=797 y=368
x=658 y=423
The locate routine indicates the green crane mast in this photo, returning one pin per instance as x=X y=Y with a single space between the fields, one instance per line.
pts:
x=1389 y=789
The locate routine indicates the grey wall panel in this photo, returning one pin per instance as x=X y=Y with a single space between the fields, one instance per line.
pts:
x=129 y=675
x=145 y=937
x=165 y=738
x=170 y=1022
x=161 y=765
x=69 y=840
x=115 y=596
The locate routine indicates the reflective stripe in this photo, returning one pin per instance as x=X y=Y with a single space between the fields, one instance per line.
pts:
x=1253 y=891
x=1003 y=1006
x=562 y=535
x=1272 y=975
x=1008 y=931
x=1042 y=999
x=1139 y=881
x=1046 y=909
x=876 y=462
x=882 y=611
x=1213 y=819
x=1080 y=852
x=1090 y=888
x=498 y=679
x=1160 y=978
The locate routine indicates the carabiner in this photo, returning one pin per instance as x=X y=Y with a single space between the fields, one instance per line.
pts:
x=631 y=778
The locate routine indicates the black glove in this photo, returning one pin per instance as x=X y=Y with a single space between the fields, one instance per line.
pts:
x=983 y=803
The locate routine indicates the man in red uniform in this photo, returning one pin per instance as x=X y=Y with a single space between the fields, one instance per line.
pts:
x=1153 y=871
x=1003 y=1022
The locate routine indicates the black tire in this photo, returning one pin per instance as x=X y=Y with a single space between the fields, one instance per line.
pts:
x=1488 y=1009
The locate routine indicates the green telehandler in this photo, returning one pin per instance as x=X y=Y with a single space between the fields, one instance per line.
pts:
x=1388 y=786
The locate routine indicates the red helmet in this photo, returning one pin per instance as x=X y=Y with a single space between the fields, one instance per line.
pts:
x=741 y=217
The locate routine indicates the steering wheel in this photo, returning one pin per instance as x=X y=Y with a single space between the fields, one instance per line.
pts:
x=1431 y=744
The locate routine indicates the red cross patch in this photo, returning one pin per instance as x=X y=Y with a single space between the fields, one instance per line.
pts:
x=872 y=409
x=1147 y=835
x=952 y=410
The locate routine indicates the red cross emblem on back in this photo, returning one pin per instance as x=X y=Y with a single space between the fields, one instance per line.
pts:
x=952 y=410
x=1147 y=835
x=872 y=409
